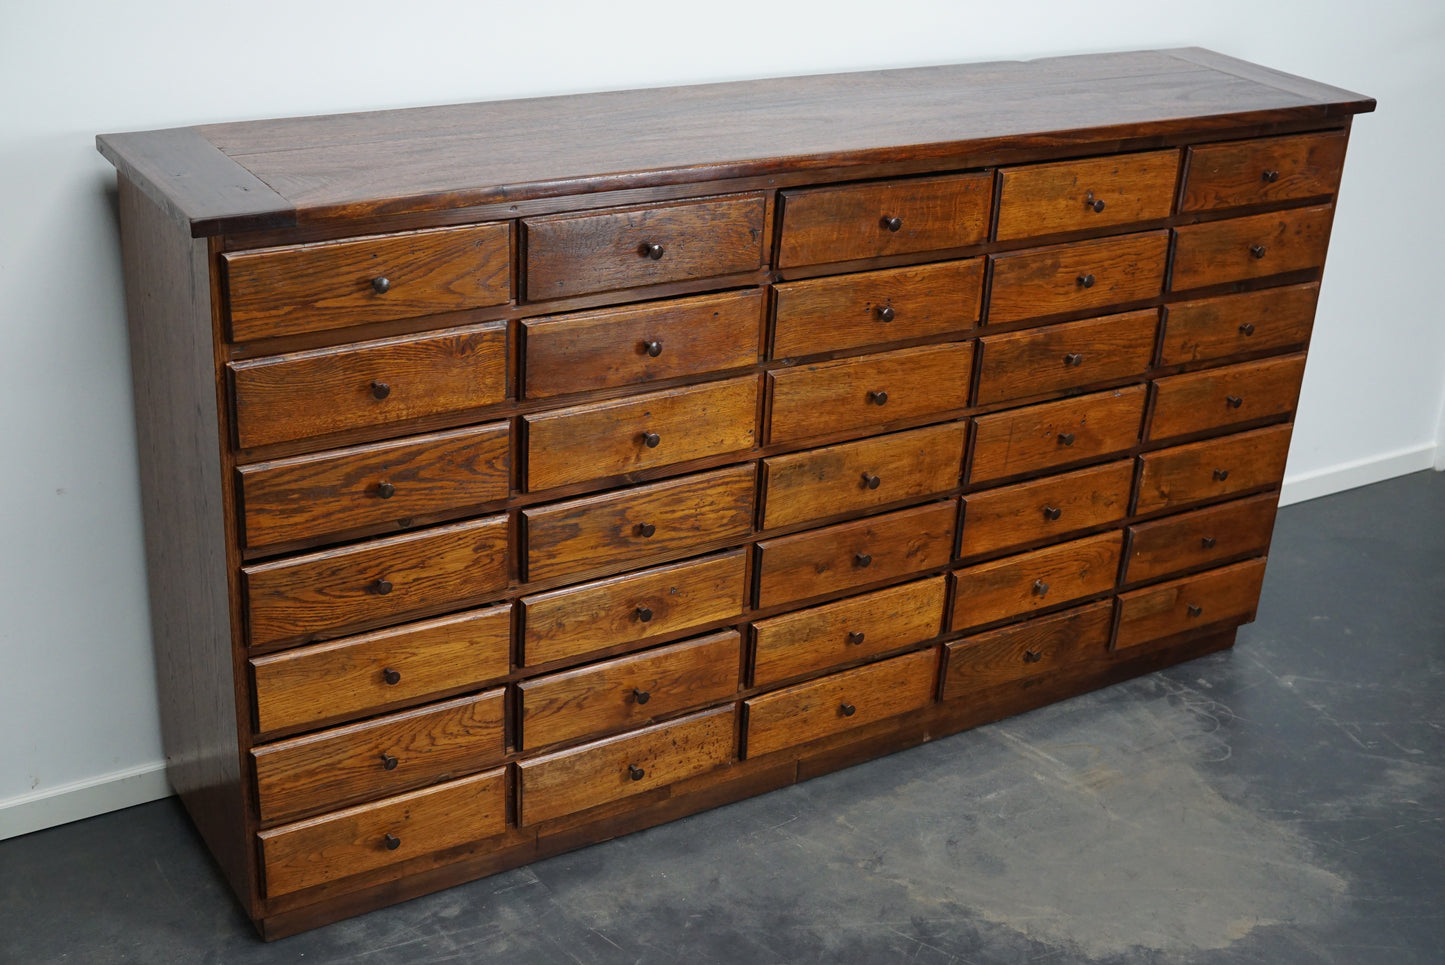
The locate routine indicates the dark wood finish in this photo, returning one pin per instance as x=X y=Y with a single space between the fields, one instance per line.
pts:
x=1052 y=507
x=1057 y=357
x=1045 y=199
x=1240 y=249
x=1226 y=595
x=1171 y=478
x=1039 y=437
x=1263 y=170
x=1027 y=650
x=1226 y=396
x=321 y=391
x=1015 y=585
x=1078 y=277
x=613 y=347
x=1257 y=321
x=1206 y=536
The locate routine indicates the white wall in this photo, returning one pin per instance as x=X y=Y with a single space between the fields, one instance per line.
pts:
x=77 y=698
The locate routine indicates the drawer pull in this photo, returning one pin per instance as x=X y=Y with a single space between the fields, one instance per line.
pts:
x=1052 y=512
x=1086 y=281
x=641 y=696
x=1032 y=656
x=871 y=481
x=652 y=251
x=1066 y=438
x=644 y=613
x=1247 y=328
x=385 y=489
x=392 y=842
x=381 y=587
x=635 y=772
x=886 y=313
x=863 y=560
x=388 y=762
x=1257 y=250
x=1270 y=177
x=878 y=398
x=1041 y=588
x=1233 y=401
x=1195 y=611
x=855 y=637
x=892 y=224
x=1220 y=475
x=392 y=677
x=646 y=530
x=847 y=710
x=1207 y=542
x=380 y=390
x=381 y=284
x=651 y=439
x=653 y=349
x=1095 y=205
x=1074 y=359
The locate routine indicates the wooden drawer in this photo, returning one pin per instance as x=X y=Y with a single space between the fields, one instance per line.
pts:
x=579 y=620
x=573 y=254
x=1226 y=396
x=853 y=221
x=386 y=484
x=1045 y=199
x=365 y=674
x=810 y=640
x=633 y=524
x=1055 y=506
x=609 y=770
x=840 y=702
x=1057 y=357
x=1041 y=436
x=373 y=836
x=847 y=311
x=636 y=344
x=1220 y=252
x=1077 y=277
x=628 y=691
x=336 y=284
x=1027 y=650
x=1263 y=171
x=816 y=400
x=1226 y=595
x=1015 y=585
x=310 y=597
x=1189 y=540
x=384 y=756
x=852 y=554
x=858 y=476
x=1212 y=328
x=378 y=383
x=624 y=436
x=1175 y=477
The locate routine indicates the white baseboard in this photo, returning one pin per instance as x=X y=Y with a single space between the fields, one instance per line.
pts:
x=1362 y=472
x=82 y=799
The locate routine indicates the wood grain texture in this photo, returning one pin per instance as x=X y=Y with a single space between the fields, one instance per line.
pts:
x=1171 y=478
x=1189 y=540
x=1214 y=328
x=1054 y=506
x=323 y=594
x=1077 y=277
x=833 y=480
x=1015 y=585
x=353 y=841
x=870 y=307
x=384 y=484
x=1044 y=199
x=312 y=393
x=578 y=253
x=1239 y=249
x=1233 y=394
x=1057 y=357
x=349 y=678
x=1263 y=171
x=320 y=287
x=813 y=400
x=573 y=780
x=1024 y=651
x=1226 y=595
x=840 y=702
x=1038 y=437
x=587 y=533
x=609 y=347
x=806 y=641
x=581 y=619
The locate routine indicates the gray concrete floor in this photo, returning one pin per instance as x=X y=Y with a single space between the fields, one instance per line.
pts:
x=1282 y=802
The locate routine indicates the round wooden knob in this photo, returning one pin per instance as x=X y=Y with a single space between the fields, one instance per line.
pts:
x=1086 y=281
x=878 y=398
x=641 y=696
x=380 y=390
x=645 y=530
x=871 y=481
x=385 y=489
x=652 y=251
x=392 y=677
x=847 y=710
x=381 y=587
x=392 y=842
x=855 y=637
x=887 y=313
x=635 y=772
x=388 y=762
x=644 y=613
x=381 y=284
x=892 y=224
x=651 y=439
x=863 y=560
x=654 y=349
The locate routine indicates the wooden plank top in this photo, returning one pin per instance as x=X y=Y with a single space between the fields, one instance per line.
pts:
x=314 y=170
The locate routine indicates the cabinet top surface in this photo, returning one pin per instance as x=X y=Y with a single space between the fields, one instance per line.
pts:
x=312 y=170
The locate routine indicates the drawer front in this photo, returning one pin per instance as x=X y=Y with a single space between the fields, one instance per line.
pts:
x=1226 y=396
x=1051 y=507
x=1226 y=595
x=1189 y=540
x=847 y=311
x=1055 y=433
x=309 y=597
x=840 y=702
x=373 y=836
x=858 y=476
x=1044 y=199
x=1077 y=277
x=1027 y=650
x=628 y=691
x=1211 y=328
x=1015 y=585
x=853 y=554
x=643 y=432
x=1213 y=469
x=364 y=674
x=335 y=284
x=665 y=517
x=573 y=254
x=637 y=344
x=379 y=383
x=810 y=640
x=1059 y=357
x=815 y=400
x=874 y=219
x=391 y=754
x=609 y=770
x=1263 y=171
x=1261 y=245
x=583 y=619
x=386 y=484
